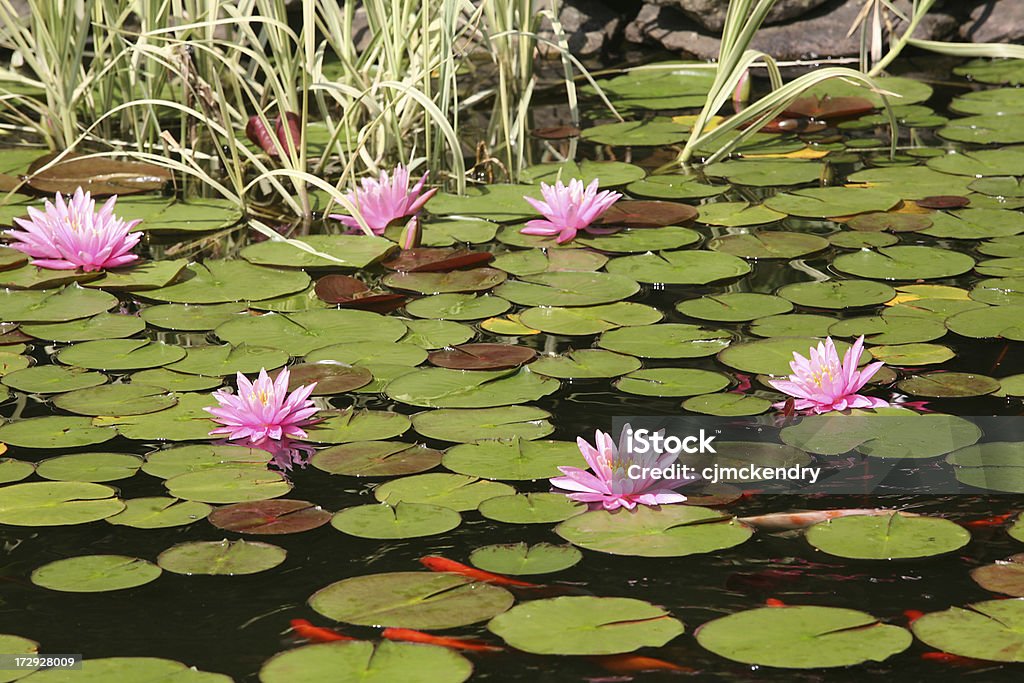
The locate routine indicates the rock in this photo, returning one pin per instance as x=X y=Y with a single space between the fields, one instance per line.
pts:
x=995 y=21
x=711 y=13
x=590 y=27
x=818 y=34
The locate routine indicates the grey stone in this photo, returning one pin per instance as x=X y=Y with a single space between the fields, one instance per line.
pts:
x=711 y=13
x=995 y=21
x=590 y=28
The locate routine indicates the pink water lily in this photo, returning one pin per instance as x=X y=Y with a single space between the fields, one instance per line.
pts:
x=384 y=201
x=263 y=409
x=822 y=382
x=567 y=210
x=67 y=235
x=617 y=478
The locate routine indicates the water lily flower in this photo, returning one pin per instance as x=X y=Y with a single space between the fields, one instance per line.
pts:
x=263 y=409
x=384 y=201
x=822 y=382
x=67 y=235
x=567 y=210
x=610 y=485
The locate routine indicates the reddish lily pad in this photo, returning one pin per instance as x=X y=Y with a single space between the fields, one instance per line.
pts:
x=482 y=356
x=282 y=516
x=330 y=378
x=887 y=221
x=475 y=280
x=349 y=292
x=99 y=175
x=943 y=201
x=376 y=459
x=648 y=214
x=1005 y=576
x=829 y=108
x=437 y=260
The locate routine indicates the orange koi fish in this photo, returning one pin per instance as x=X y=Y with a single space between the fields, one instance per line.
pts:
x=436 y=563
x=997 y=520
x=317 y=634
x=774 y=602
x=954 y=660
x=628 y=664
x=408 y=635
x=786 y=521
x=912 y=615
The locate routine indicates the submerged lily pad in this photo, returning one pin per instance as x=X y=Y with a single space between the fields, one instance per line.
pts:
x=403 y=520
x=804 y=637
x=95 y=573
x=887 y=537
x=366 y=662
x=225 y=557
x=992 y=630
x=418 y=600
x=585 y=625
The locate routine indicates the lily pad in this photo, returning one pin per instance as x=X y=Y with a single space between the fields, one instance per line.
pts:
x=727 y=404
x=56 y=503
x=404 y=520
x=585 y=625
x=634 y=240
x=887 y=537
x=448 y=233
x=159 y=512
x=772 y=356
x=170 y=462
x=1006 y=322
x=976 y=224
x=376 y=459
x=489 y=202
x=263 y=517
x=666 y=340
x=769 y=245
x=160 y=215
x=175 y=381
x=674 y=187
x=469 y=425
x=983 y=130
x=444 y=388
x=513 y=459
x=366 y=662
x=129 y=670
x=948 y=385
x=300 y=333
x=531 y=508
x=568 y=289
x=1002 y=577
x=214 y=282
x=912 y=182
x=456 y=491
x=225 y=557
x=436 y=334
x=186 y=421
x=349 y=251
x=116 y=399
x=95 y=573
x=608 y=173
x=191 y=317
x=671 y=382
x=93 y=467
x=913 y=355
x=369 y=354
x=228 y=485
x=12 y=470
x=68 y=303
x=892 y=330
x=643 y=133
x=473 y=280
x=679 y=267
x=792 y=325
x=737 y=214
x=120 y=354
x=585 y=364
x=102 y=326
x=905 y=263
x=54 y=431
x=989 y=630
x=457 y=307
x=217 y=361
x=805 y=637
x=734 y=307
x=52 y=379
x=899 y=434
x=825 y=202
x=482 y=356
x=417 y=600
x=520 y=559
x=351 y=424
x=585 y=320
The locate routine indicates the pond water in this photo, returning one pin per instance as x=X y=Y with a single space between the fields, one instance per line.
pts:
x=233 y=624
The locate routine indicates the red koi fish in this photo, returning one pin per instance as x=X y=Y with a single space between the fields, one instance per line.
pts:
x=774 y=602
x=912 y=615
x=317 y=634
x=954 y=660
x=408 y=635
x=997 y=520
x=628 y=664
x=436 y=563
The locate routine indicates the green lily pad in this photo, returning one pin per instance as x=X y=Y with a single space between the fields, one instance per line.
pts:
x=520 y=559
x=350 y=424
x=633 y=240
x=170 y=462
x=225 y=557
x=643 y=133
x=766 y=172
x=899 y=434
x=671 y=382
x=948 y=385
x=186 y=421
x=679 y=267
x=825 y=202
x=773 y=356
x=457 y=307
x=376 y=459
x=980 y=163
x=16 y=645
x=196 y=215
x=568 y=289
x=891 y=330
x=905 y=263
x=913 y=182
x=191 y=317
x=1013 y=385
x=349 y=251
x=12 y=470
x=52 y=379
x=115 y=399
x=585 y=320
x=456 y=491
x=445 y=388
x=934 y=310
x=228 y=485
x=531 y=508
x=51 y=306
x=890 y=221
x=585 y=625
x=54 y=431
x=102 y=326
x=607 y=173
x=1008 y=187
x=225 y=359
x=665 y=340
x=1006 y=322
x=804 y=637
x=31 y=277
x=120 y=354
x=992 y=630
x=513 y=459
x=93 y=467
x=56 y=503
x=159 y=512
x=472 y=280
x=585 y=364
x=737 y=214
x=769 y=245
x=1002 y=267
x=887 y=537
x=175 y=381
x=976 y=224
x=792 y=325
x=904 y=91
x=671 y=531
x=404 y=520
x=449 y=233
x=140 y=276
x=994 y=466
x=366 y=662
x=300 y=333
x=215 y=282
x=95 y=573
x=999 y=291
x=727 y=404
x=417 y=600
x=913 y=355
x=734 y=307
x=983 y=130
x=674 y=187
x=436 y=334
x=369 y=354
x=488 y=202
x=129 y=670
x=469 y=425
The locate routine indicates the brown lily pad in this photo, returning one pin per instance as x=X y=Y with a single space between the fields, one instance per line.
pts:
x=99 y=175
x=789 y=124
x=829 y=108
x=376 y=459
x=1002 y=577
x=556 y=132
x=943 y=201
x=10 y=334
x=647 y=214
x=265 y=517
x=349 y=292
x=425 y=260
x=884 y=221
x=330 y=378
x=482 y=356
x=475 y=280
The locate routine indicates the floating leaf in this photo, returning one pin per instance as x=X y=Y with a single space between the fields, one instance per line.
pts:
x=903 y=434
x=436 y=334
x=281 y=516
x=225 y=359
x=214 y=282
x=1005 y=322
x=568 y=289
x=892 y=330
x=521 y=559
x=679 y=267
x=489 y=202
x=824 y=202
x=163 y=215
x=912 y=354
x=647 y=214
x=14 y=470
x=531 y=508
x=186 y=421
x=734 y=307
x=887 y=537
x=170 y=462
x=456 y=491
x=348 y=251
x=773 y=356
x=585 y=320
x=404 y=520
x=992 y=630
x=644 y=133
x=228 y=485
x=468 y=425
x=69 y=303
x=418 y=600
x=330 y=378
x=905 y=263
x=671 y=382
x=890 y=221
x=376 y=459
x=444 y=388
x=1002 y=577
x=101 y=176
x=120 y=354
x=300 y=333
x=727 y=404
x=976 y=224
x=666 y=340
x=115 y=399
x=369 y=354
x=55 y=503
x=769 y=245
x=225 y=557
x=482 y=356
x=158 y=512
x=54 y=431
x=95 y=573
x=792 y=325
x=191 y=317
x=175 y=381
x=633 y=240
x=585 y=364
x=366 y=662
x=94 y=467
x=129 y=670
x=102 y=326
x=673 y=187
x=737 y=214
x=948 y=385
x=447 y=233
x=473 y=280
x=585 y=625
x=513 y=459
x=457 y=307
x=608 y=173
x=766 y=172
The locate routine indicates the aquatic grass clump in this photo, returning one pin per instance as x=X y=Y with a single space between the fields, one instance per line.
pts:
x=823 y=383
x=620 y=475
x=263 y=410
x=569 y=209
x=71 y=234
